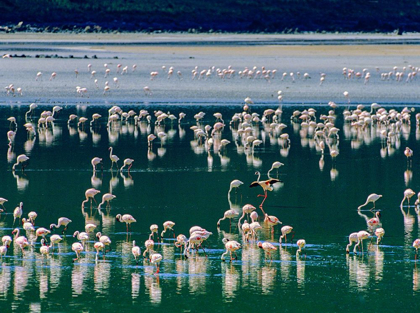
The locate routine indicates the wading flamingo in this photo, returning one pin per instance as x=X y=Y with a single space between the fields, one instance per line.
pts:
x=266 y=185
x=127 y=219
x=371 y=198
x=231 y=247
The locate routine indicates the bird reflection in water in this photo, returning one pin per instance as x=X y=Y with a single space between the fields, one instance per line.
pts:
x=286 y=259
x=197 y=270
x=230 y=280
x=128 y=180
x=20 y=281
x=151 y=283
x=358 y=272
x=135 y=285
x=300 y=272
x=79 y=275
x=43 y=283
x=5 y=280
x=268 y=275
x=96 y=181
x=21 y=182
x=101 y=276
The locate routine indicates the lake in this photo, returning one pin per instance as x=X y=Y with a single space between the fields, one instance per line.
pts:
x=182 y=179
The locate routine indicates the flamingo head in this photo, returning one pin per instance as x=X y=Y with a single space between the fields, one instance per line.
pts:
x=260 y=244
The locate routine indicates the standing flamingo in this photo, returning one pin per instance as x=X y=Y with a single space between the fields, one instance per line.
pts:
x=113 y=157
x=127 y=162
x=275 y=165
x=361 y=235
x=271 y=221
x=22 y=158
x=167 y=225
x=231 y=247
x=301 y=243
x=107 y=197
x=135 y=250
x=181 y=240
x=268 y=248
x=246 y=209
x=62 y=221
x=234 y=184
x=17 y=212
x=352 y=238
x=21 y=241
x=229 y=214
x=2 y=201
x=379 y=232
x=77 y=247
x=284 y=231
x=90 y=194
x=126 y=218
x=408 y=193
x=155 y=259
x=371 y=198
x=99 y=246
x=95 y=161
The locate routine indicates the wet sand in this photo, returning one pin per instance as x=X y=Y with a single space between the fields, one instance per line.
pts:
x=297 y=54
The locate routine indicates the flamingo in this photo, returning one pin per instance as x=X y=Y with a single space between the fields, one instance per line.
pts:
x=90 y=194
x=113 y=157
x=6 y=240
x=21 y=241
x=266 y=185
x=32 y=216
x=104 y=239
x=22 y=158
x=416 y=245
x=107 y=197
x=41 y=232
x=267 y=247
x=371 y=198
x=62 y=221
x=231 y=247
x=361 y=235
x=155 y=259
x=2 y=201
x=301 y=243
x=126 y=218
x=246 y=209
x=135 y=250
x=17 y=212
x=374 y=221
x=181 y=240
x=99 y=246
x=55 y=239
x=32 y=107
x=95 y=161
x=149 y=244
x=3 y=251
x=127 y=162
x=77 y=247
x=167 y=225
x=154 y=229
x=276 y=165
x=379 y=232
x=228 y=214
x=44 y=249
x=271 y=221
x=89 y=228
x=408 y=193
x=352 y=238
x=81 y=236
x=284 y=231
x=27 y=225
x=409 y=154
x=236 y=183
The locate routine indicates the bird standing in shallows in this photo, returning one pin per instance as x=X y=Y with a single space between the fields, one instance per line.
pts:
x=99 y=246
x=17 y=212
x=135 y=250
x=107 y=197
x=409 y=154
x=61 y=221
x=90 y=194
x=77 y=247
x=276 y=165
x=21 y=159
x=127 y=219
x=155 y=259
x=361 y=235
x=284 y=231
x=301 y=243
x=379 y=232
x=271 y=221
x=371 y=198
x=416 y=245
x=268 y=248
x=113 y=157
x=229 y=214
x=236 y=183
x=352 y=239
x=408 y=193
x=231 y=247
x=167 y=225
x=127 y=162
x=2 y=201
x=95 y=161
x=266 y=185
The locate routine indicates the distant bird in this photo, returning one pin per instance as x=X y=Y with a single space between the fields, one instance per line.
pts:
x=284 y=231
x=113 y=157
x=167 y=225
x=17 y=212
x=266 y=185
x=301 y=243
x=22 y=158
x=135 y=250
x=231 y=247
x=361 y=235
x=416 y=245
x=371 y=198
x=275 y=165
x=236 y=183
x=409 y=154
x=90 y=195
x=379 y=232
x=267 y=247
x=229 y=214
x=127 y=162
x=126 y=218
x=408 y=193
x=107 y=197
x=95 y=161
x=352 y=239
x=62 y=221
x=77 y=247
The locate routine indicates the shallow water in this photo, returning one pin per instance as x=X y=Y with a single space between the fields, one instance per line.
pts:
x=180 y=180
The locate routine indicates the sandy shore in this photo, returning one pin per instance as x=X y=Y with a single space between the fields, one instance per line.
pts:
x=297 y=54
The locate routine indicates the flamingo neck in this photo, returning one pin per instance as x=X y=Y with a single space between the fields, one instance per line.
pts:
x=259 y=175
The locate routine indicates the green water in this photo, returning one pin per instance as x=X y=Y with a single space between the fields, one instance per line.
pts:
x=182 y=182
